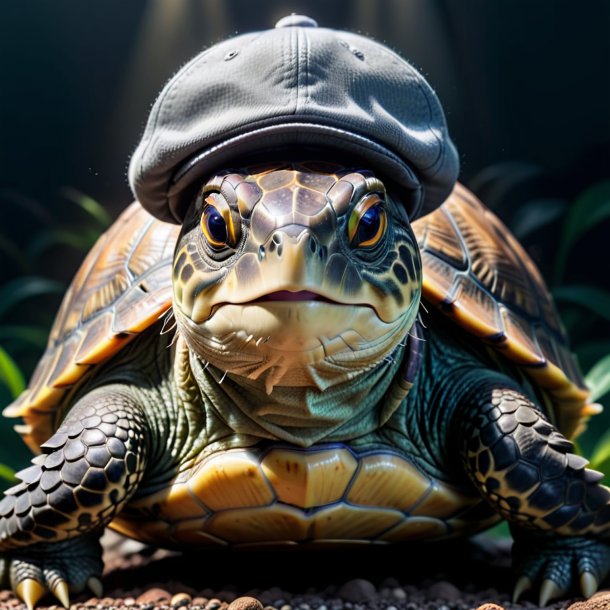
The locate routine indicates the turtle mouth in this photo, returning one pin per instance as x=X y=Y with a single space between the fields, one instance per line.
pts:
x=293 y=296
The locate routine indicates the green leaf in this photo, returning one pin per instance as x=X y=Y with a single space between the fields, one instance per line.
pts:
x=592 y=298
x=537 y=214
x=10 y=375
x=20 y=289
x=93 y=208
x=81 y=240
x=500 y=530
x=598 y=378
x=591 y=208
x=7 y=473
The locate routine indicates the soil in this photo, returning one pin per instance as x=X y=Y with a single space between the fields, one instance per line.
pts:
x=465 y=575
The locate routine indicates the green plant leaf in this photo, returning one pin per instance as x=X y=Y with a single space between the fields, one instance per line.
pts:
x=537 y=214
x=592 y=298
x=7 y=473
x=598 y=378
x=79 y=240
x=17 y=290
x=589 y=209
x=10 y=374
x=93 y=208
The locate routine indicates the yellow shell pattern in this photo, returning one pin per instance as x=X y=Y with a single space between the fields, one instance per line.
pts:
x=284 y=495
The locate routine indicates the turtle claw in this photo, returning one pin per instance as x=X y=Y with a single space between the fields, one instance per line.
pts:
x=588 y=584
x=523 y=584
x=60 y=590
x=560 y=566
x=30 y=591
x=57 y=568
x=96 y=587
x=549 y=590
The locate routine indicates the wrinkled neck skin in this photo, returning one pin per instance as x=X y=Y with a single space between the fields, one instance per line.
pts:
x=349 y=404
x=348 y=393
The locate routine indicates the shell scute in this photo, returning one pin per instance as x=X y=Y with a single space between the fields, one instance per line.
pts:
x=500 y=297
x=122 y=287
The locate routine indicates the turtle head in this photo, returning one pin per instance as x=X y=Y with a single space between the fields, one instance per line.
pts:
x=296 y=273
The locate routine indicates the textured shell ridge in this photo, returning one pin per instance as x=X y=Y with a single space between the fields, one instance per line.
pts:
x=477 y=274
x=122 y=287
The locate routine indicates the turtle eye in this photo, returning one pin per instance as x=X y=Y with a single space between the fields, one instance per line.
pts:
x=217 y=223
x=367 y=222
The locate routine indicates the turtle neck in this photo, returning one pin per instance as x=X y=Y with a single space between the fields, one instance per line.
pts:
x=300 y=415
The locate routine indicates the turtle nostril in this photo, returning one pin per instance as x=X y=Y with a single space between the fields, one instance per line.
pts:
x=312 y=244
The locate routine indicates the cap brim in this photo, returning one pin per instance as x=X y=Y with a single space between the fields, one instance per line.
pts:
x=289 y=136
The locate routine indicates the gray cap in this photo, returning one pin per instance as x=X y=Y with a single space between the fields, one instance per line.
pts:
x=287 y=88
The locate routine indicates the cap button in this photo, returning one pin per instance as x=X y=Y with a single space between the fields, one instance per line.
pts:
x=293 y=20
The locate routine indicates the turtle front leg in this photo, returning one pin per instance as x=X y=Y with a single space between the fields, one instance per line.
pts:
x=527 y=470
x=50 y=523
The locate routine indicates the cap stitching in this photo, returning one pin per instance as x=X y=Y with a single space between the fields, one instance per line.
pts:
x=307 y=83
x=294 y=61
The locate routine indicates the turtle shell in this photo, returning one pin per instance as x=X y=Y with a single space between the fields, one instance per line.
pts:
x=122 y=287
x=477 y=273
x=474 y=271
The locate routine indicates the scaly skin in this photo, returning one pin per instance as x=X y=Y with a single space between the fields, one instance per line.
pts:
x=174 y=427
x=527 y=471
x=154 y=411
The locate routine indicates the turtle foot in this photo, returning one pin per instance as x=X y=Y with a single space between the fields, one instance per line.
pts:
x=556 y=567
x=59 y=568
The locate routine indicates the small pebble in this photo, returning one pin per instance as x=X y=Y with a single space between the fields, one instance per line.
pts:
x=600 y=601
x=245 y=603
x=154 y=595
x=180 y=599
x=398 y=593
x=357 y=590
x=129 y=601
x=107 y=601
x=444 y=590
x=200 y=601
x=490 y=606
x=213 y=604
x=390 y=583
x=286 y=607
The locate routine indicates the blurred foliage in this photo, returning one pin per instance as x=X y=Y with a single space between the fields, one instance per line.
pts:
x=563 y=221
x=564 y=225
x=37 y=267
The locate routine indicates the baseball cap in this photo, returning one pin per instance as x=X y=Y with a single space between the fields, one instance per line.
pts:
x=296 y=86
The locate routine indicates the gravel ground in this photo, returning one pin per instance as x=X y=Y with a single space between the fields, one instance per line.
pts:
x=457 y=576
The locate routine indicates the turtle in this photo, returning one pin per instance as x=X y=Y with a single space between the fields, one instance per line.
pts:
x=300 y=364
x=303 y=332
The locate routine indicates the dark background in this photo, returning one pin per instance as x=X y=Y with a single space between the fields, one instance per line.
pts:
x=525 y=86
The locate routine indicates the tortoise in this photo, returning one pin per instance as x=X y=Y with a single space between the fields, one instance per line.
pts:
x=303 y=361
